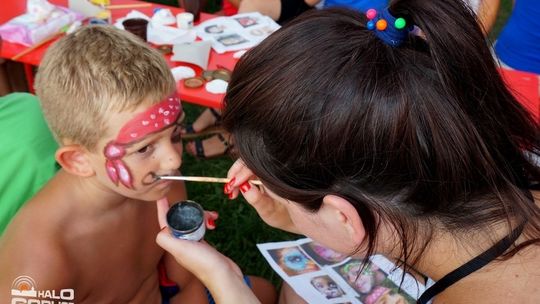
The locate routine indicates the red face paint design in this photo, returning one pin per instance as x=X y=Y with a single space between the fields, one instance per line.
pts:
x=155 y=119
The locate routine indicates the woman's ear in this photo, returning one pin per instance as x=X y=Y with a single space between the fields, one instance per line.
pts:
x=74 y=159
x=344 y=214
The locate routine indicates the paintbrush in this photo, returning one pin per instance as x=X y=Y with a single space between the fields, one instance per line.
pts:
x=203 y=179
x=37 y=45
x=123 y=6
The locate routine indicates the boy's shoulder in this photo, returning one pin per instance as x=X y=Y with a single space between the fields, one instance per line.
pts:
x=38 y=230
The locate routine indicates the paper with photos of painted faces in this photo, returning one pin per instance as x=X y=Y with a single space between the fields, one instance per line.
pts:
x=238 y=32
x=321 y=275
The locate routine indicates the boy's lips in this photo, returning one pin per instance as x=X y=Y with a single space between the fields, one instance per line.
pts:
x=162 y=183
x=152 y=179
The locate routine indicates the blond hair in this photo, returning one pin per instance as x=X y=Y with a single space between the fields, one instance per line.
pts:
x=95 y=70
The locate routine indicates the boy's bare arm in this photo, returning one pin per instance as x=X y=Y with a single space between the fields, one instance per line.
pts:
x=191 y=289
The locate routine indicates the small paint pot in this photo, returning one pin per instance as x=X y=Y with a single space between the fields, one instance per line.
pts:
x=186 y=220
x=136 y=26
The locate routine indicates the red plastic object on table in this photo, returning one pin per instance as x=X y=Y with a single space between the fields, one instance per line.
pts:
x=525 y=87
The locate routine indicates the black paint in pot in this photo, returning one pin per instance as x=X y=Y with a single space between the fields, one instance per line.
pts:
x=186 y=220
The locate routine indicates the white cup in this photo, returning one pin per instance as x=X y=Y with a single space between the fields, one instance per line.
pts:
x=184 y=21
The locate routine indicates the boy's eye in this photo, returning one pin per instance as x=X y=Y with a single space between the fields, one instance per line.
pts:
x=143 y=149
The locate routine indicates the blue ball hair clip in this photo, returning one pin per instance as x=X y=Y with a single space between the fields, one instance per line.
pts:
x=393 y=31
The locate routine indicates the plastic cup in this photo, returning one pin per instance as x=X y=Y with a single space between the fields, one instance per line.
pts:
x=184 y=21
x=136 y=26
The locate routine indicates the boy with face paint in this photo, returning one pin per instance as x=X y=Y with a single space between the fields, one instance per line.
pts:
x=111 y=103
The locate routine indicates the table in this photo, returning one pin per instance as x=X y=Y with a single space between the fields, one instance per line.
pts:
x=12 y=8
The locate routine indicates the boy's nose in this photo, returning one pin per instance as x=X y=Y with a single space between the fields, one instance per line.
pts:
x=172 y=158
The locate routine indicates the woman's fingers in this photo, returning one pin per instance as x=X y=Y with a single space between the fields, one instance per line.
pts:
x=239 y=176
x=199 y=258
x=238 y=165
x=210 y=219
x=255 y=197
x=178 y=247
x=163 y=206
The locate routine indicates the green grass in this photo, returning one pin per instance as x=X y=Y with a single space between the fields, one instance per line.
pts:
x=239 y=228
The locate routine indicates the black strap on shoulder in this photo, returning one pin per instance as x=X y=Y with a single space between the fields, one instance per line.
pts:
x=471 y=266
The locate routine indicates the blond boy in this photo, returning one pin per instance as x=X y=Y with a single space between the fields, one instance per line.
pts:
x=89 y=234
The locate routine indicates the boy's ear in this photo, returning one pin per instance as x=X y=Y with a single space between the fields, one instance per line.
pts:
x=74 y=159
x=343 y=213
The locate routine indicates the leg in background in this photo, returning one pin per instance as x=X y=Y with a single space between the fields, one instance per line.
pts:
x=264 y=290
x=271 y=8
x=5 y=88
x=288 y=296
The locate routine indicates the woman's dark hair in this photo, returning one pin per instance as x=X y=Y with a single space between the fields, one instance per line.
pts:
x=424 y=136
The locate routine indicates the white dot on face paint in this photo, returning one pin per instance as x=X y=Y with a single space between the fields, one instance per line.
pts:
x=166 y=121
x=153 y=116
x=166 y=113
x=133 y=135
x=123 y=173
x=145 y=122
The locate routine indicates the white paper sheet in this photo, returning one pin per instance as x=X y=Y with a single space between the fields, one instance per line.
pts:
x=236 y=32
x=197 y=53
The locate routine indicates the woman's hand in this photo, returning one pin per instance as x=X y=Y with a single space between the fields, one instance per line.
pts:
x=198 y=257
x=217 y=272
x=272 y=210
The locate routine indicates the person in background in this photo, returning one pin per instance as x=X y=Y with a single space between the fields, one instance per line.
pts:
x=486 y=11
x=285 y=10
x=518 y=44
x=369 y=139
x=26 y=154
x=230 y=7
